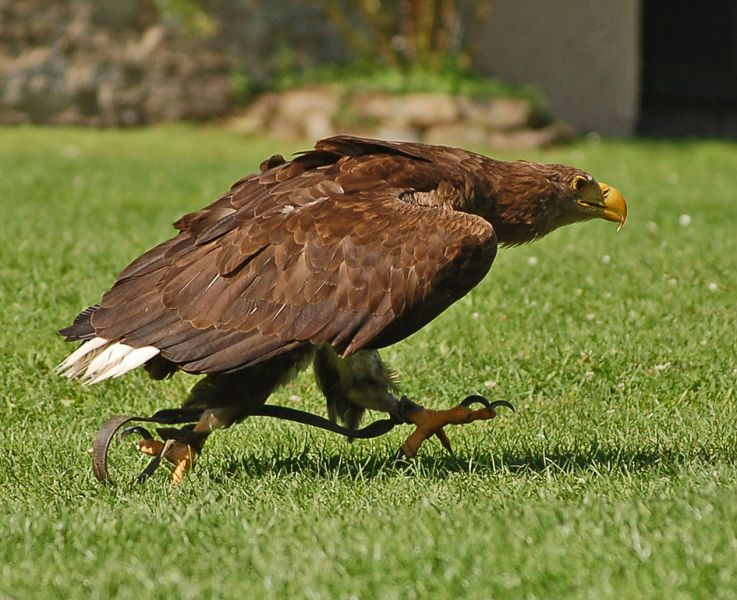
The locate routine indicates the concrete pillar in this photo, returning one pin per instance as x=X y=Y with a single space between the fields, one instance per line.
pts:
x=583 y=55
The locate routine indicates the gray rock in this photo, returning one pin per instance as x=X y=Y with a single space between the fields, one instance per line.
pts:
x=258 y=116
x=398 y=132
x=500 y=114
x=428 y=110
x=410 y=110
x=528 y=139
x=317 y=125
x=374 y=106
x=298 y=102
x=462 y=133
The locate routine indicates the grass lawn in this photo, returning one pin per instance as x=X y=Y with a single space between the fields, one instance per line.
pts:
x=616 y=478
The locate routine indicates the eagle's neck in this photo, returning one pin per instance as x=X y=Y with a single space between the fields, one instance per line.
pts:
x=517 y=201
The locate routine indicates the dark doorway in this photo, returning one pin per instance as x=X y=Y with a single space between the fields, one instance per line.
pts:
x=689 y=71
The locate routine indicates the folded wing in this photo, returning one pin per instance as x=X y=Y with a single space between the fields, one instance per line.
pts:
x=327 y=248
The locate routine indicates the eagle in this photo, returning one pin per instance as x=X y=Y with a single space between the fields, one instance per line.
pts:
x=324 y=259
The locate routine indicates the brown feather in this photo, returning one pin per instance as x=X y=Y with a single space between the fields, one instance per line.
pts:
x=357 y=243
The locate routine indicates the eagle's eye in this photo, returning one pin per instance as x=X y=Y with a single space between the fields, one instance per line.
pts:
x=579 y=183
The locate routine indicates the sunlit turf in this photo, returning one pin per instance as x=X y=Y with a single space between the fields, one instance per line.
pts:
x=616 y=477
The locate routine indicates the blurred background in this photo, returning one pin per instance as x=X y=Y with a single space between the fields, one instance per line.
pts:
x=520 y=72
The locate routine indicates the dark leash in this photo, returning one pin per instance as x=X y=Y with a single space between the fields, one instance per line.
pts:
x=107 y=432
x=186 y=435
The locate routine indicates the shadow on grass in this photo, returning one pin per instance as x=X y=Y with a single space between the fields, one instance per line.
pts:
x=592 y=461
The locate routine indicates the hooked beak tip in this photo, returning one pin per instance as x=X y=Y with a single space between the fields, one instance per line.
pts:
x=615 y=207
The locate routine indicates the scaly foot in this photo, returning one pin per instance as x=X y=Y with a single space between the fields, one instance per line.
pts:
x=179 y=454
x=431 y=422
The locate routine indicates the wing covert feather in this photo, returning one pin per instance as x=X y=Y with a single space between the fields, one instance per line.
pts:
x=318 y=250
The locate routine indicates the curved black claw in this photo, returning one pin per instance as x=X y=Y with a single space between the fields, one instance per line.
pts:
x=476 y=398
x=503 y=403
x=142 y=431
x=154 y=463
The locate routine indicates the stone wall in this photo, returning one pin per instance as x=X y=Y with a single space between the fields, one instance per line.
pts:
x=118 y=62
x=320 y=111
x=105 y=63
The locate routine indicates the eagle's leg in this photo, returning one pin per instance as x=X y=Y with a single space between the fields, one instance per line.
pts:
x=182 y=454
x=362 y=380
x=353 y=384
x=226 y=399
x=430 y=423
x=179 y=454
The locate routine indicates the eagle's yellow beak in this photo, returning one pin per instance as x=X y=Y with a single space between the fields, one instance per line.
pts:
x=609 y=206
x=615 y=208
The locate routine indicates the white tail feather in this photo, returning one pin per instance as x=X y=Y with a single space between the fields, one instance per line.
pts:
x=99 y=359
x=108 y=358
x=75 y=356
x=133 y=360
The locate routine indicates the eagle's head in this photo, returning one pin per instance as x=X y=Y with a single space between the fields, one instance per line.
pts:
x=530 y=200
x=580 y=198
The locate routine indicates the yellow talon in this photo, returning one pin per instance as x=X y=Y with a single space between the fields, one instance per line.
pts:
x=181 y=455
